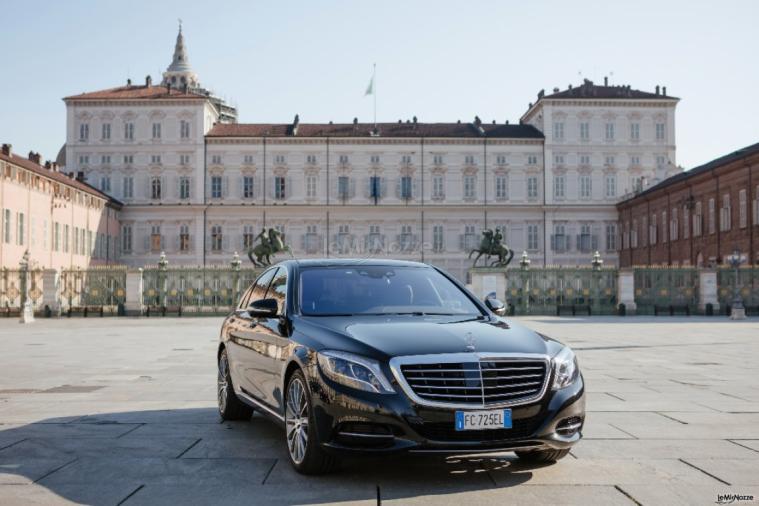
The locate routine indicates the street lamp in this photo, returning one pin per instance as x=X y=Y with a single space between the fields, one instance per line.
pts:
x=597 y=261
x=524 y=263
x=236 y=262
x=738 y=311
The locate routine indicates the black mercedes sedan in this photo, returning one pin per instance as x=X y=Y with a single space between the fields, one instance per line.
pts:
x=372 y=356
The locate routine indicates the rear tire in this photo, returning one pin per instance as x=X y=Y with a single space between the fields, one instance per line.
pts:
x=542 y=456
x=303 y=446
x=230 y=407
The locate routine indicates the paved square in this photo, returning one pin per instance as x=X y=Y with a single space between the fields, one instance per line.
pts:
x=122 y=411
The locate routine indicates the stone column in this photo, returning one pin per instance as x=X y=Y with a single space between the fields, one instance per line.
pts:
x=707 y=290
x=51 y=291
x=626 y=290
x=488 y=281
x=134 y=286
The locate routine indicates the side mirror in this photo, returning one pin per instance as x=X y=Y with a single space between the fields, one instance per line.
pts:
x=263 y=308
x=496 y=306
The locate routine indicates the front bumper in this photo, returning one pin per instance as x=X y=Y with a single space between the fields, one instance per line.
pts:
x=352 y=421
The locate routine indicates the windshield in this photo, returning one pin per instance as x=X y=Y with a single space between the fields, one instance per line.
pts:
x=374 y=289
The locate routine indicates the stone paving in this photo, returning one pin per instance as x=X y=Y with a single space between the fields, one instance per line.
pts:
x=122 y=411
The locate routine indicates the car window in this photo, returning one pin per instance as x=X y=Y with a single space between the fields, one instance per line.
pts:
x=377 y=289
x=245 y=297
x=278 y=289
x=261 y=285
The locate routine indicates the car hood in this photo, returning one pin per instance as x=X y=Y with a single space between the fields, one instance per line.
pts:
x=421 y=335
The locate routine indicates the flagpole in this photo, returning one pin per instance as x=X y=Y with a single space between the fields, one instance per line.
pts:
x=374 y=78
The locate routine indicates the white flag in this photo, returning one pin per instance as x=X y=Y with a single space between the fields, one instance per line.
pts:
x=370 y=88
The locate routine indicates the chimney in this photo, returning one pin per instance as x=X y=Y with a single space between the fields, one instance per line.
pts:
x=657 y=89
x=606 y=81
x=664 y=91
x=48 y=164
x=7 y=149
x=80 y=176
x=34 y=157
x=148 y=81
x=54 y=166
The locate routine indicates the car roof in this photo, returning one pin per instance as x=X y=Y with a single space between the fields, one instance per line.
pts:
x=347 y=262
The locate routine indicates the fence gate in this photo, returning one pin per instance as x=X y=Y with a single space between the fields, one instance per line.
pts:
x=10 y=289
x=663 y=290
x=550 y=290
x=93 y=288
x=212 y=290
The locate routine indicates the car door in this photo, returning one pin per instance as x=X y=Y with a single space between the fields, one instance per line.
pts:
x=246 y=358
x=273 y=335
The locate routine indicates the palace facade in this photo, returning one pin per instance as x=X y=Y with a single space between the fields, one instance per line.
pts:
x=200 y=186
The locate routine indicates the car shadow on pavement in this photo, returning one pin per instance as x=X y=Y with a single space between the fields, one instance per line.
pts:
x=190 y=456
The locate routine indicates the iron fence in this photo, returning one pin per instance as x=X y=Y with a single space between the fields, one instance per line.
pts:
x=747 y=284
x=11 y=286
x=559 y=290
x=662 y=290
x=94 y=287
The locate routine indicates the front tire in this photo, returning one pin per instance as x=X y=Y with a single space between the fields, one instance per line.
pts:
x=306 y=454
x=542 y=456
x=230 y=407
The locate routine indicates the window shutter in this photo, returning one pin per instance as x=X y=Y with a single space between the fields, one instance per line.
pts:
x=145 y=243
x=553 y=242
x=368 y=187
x=398 y=188
x=225 y=242
x=414 y=190
x=289 y=187
x=225 y=186
x=568 y=246
x=164 y=187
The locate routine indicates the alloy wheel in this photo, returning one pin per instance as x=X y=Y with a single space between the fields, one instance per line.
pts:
x=296 y=420
x=221 y=382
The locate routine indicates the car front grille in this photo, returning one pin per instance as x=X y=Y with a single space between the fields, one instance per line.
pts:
x=446 y=431
x=485 y=382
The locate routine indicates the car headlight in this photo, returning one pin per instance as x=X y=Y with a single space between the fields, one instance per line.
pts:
x=565 y=368
x=354 y=371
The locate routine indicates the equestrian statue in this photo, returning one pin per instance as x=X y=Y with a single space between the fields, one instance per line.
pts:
x=491 y=245
x=269 y=244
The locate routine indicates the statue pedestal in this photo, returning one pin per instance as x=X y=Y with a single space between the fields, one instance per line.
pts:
x=488 y=282
x=27 y=313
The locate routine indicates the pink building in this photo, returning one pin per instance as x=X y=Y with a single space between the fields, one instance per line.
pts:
x=61 y=221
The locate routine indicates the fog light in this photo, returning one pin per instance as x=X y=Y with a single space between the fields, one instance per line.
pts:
x=569 y=426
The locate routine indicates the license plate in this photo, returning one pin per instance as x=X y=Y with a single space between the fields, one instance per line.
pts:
x=479 y=420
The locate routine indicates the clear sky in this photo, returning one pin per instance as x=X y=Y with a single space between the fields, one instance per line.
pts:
x=438 y=60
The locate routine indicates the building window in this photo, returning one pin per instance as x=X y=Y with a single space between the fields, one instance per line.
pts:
x=156 y=130
x=248 y=159
x=634 y=234
x=184 y=159
x=501 y=187
x=469 y=240
x=310 y=159
x=155 y=238
x=311 y=186
x=585 y=186
x=611 y=237
x=609 y=131
x=344 y=239
x=66 y=238
x=311 y=240
x=184 y=237
x=247 y=187
x=405 y=187
x=664 y=226
x=343 y=187
x=84 y=132
x=469 y=160
x=611 y=185
x=184 y=187
x=216 y=184
x=742 y=209
x=635 y=161
x=559 y=186
x=532 y=187
x=584 y=160
x=279 y=159
x=660 y=131
x=127 y=189
x=216 y=159
x=437 y=159
x=500 y=160
x=105 y=184
x=126 y=238
x=674 y=225
x=610 y=161
x=155 y=159
x=56 y=235
x=558 y=160
x=406 y=239
x=216 y=238
x=248 y=237
x=711 y=217
x=375 y=187
x=470 y=185
x=586 y=242
x=559 y=239
x=406 y=160
x=184 y=129
x=634 y=131
x=726 y=218
x=437 y=238
x=129 y=131
x=438 y=187
x=532 y=237
x=84 y=160
x=280 y=188
x=155 y=188
x=20 y=229
x=105 y=160
x=584 y=131
x=558 y=131
x=653 y=231
x=128 y=159
x=342 y=159
x=106 y=132
x=532 y=160
x=661 y=161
